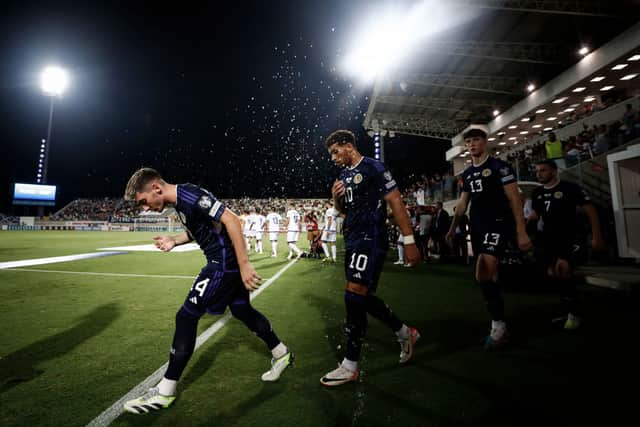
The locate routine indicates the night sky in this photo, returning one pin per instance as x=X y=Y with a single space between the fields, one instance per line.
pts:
x=235 y=96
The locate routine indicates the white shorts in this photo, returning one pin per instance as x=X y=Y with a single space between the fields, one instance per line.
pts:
x=258 y=235
x=329 y=236
x=250 y=233
x=273 y=236
x=292 y=236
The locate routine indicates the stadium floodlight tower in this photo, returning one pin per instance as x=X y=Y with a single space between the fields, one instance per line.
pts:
x=53 y=82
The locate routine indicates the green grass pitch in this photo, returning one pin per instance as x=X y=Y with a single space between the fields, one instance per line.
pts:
x=72 y=344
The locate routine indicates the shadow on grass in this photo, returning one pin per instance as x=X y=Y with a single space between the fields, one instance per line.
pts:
x=22 y=365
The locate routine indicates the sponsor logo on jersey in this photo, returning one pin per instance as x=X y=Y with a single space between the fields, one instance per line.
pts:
x=558 y=194
x=357 y=276
x=348 y=180
x=486 y=172
x=205 y=202
x=357 y=179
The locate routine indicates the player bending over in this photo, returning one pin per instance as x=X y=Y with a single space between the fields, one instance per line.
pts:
x=224 y=282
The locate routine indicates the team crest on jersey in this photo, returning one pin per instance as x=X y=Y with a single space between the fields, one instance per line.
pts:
x=357 y=179
x=205 y=202
x=504 y=171
x=486 y=172
x=558 y=194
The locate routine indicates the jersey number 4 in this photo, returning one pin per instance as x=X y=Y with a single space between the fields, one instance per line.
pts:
x=200 y=286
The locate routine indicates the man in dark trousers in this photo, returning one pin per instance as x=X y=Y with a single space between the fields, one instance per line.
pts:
x=439 y=228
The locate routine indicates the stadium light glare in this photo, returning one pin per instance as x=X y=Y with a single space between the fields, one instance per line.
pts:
x=531 y=87
x=54 y=81
x=584 y=50
x=389 y=35
x=496 y=113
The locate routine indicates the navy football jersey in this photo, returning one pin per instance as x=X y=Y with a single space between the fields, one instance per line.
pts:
x=366 y=184
x=485 y=184
x=200 y=213
x=557 y=207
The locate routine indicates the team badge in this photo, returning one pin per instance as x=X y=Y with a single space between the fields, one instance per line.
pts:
x=558 y=194
x=357 y=179
x=504 y=171
x=205 y=202
x=486 y=172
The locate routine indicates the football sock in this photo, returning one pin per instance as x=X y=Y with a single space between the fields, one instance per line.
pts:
x=167 y=387
x=400 y=252
x=349 y=364
x=294 y=248
x=278 y=351
x=403 y=332
x=256 y=322
x=569 y=295
x=325 y=248
x=333 y=251
x=493 y=299
x=356 y=325
x=184 y=341
x=381 y=311
x=274 y=246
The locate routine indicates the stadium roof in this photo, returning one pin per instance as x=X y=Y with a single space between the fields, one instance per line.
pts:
x=487 y=64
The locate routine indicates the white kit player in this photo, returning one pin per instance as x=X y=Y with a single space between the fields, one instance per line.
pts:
x=329 y=232
x=293 y=232
x=273 y=225
x=260 y=223
x=249 y=228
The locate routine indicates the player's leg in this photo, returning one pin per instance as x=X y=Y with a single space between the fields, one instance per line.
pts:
x=334 y=251
x=257 y=323
x=486 y=277
x=325 y=245
x=293 y=243
x=565 y=279
x=164 y=393
x=400 y=247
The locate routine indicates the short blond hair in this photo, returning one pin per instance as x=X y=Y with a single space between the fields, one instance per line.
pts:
x=139 y=180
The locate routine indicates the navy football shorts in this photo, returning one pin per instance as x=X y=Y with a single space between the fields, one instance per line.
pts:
x=493 y=238
x=364 y=259
x=214 y=290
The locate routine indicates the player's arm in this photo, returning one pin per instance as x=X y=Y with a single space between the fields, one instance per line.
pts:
x=338 y=195
x=461 y=208
x=597 y=243
x=513 y=194
x=232 y=223
x=166 y=243
x=394 y=199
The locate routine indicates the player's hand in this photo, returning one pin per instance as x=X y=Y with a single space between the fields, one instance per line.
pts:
x=411 y=255
x=164 y=243
x=597 y=244
x=338 y=188
x=524 y=243
x=250 y=278
x=450 y=235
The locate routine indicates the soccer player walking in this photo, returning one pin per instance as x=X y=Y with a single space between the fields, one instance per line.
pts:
x=224 y=282
x=361 y=193
x=556 y=202
x=497 y=221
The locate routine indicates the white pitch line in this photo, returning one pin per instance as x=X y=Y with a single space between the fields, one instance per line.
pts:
x=92 y=273
x=114 y=411
x=51 y=260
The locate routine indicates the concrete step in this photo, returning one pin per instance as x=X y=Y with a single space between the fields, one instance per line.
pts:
x=621 y=278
